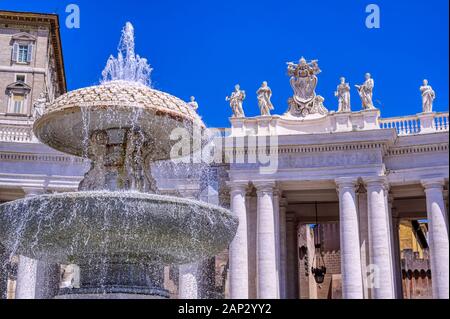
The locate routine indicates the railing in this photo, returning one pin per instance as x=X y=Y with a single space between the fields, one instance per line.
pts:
x=412 y=124
x=441 y=121
x=16 y=133
x=404 y=125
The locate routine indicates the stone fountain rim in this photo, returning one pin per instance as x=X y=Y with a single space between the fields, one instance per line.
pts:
x=199 y=211
x=74 y=106
x=126 y=194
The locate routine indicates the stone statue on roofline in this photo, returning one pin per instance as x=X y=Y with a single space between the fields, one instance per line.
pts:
x=264 y=94
x=236 y=99
x=428 y=97
x=39 y=105
x=193 y=103
x=343 y=95
x=365 y=91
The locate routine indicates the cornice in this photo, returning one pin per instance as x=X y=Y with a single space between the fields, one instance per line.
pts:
x=34 y=157
x=317 y=148
x=417 y=149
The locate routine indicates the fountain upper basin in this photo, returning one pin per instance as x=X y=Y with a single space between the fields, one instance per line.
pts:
x=115 y=105
x=132 y=226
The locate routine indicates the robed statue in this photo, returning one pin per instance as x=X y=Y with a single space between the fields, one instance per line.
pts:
x=236 y=99
x=365 y=91
x=193 y=103
x=343 y=95
x=428 y=97
x=264 y=94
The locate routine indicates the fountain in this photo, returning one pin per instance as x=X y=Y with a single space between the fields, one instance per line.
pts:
x=116 y=228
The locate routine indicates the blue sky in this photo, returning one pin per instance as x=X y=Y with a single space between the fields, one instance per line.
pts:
x=203 y=48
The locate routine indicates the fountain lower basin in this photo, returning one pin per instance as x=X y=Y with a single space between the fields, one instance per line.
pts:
x=115 y=227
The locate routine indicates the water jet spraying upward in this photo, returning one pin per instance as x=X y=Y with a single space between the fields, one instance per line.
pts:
x=128 y=66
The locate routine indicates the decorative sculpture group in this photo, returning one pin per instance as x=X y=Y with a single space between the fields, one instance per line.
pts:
x=303 y=80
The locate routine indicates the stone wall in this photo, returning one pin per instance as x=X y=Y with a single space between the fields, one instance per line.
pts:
x=331 y=288
x=416 y=275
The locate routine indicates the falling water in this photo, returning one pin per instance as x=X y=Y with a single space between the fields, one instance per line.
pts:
x=93 y=225
x=128 y=66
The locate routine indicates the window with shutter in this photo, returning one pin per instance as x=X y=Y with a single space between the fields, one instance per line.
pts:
x=15 y=51
x=30 y=53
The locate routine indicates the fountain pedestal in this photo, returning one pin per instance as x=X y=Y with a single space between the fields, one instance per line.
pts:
x=118 y=281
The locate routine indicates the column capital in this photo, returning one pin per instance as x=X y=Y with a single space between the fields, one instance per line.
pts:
x=376 y=181
x=283 y=202
x=265 y=186
x=437 y=182
x=346 y=182
x=237 y=186
x=277 y=191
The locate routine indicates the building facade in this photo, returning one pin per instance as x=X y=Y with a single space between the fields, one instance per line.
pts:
x=357 y=175
x=365 y=176
x=31 y=73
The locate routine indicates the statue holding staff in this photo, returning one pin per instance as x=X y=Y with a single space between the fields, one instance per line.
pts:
x=365 y=91
x=236 y=99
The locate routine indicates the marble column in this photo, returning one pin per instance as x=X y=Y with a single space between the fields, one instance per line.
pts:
x=379 y=237
x=267 y=264
x=438 y=237
x=395 y=248
x=276 y=213
x=238 y=260
x=36 y=279
x=187 y=282
x=291 y=257
x=364 y=239
x=397 y=261
x=352 y=284
x=252 y=238
x=189 y=274
x=283 y=248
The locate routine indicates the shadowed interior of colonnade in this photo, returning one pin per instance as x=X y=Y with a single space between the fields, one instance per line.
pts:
x=314 y=258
